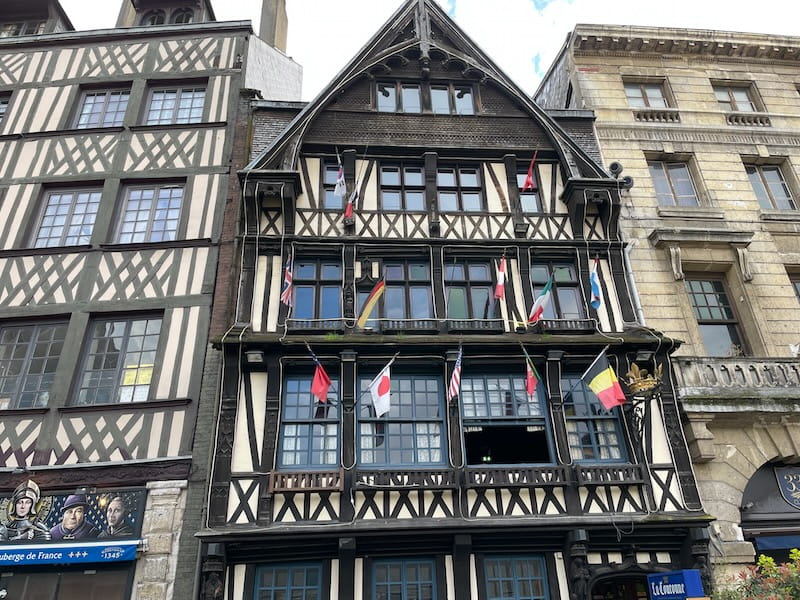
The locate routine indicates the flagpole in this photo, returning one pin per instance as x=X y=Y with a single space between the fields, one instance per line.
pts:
x=374 y=379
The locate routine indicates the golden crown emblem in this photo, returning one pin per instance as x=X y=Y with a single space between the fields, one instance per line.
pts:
x=640 y=380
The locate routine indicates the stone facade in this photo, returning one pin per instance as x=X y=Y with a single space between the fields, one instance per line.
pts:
x=724 y=108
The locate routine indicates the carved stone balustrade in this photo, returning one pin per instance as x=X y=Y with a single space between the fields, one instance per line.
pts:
x=749 y=119
x=740 y=377
x=657 y=115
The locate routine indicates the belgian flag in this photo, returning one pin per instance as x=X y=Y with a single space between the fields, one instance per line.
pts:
x=602 y=380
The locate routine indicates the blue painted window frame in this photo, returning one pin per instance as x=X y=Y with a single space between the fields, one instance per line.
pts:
x=403 y=575
x=304 y=419
x=284 y=578
x=524 y=582
x=408 y=418
x=317 y=289
x=590 y=427
x=521 y=411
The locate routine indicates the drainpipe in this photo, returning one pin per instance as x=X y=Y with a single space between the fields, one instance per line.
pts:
x=632 y=282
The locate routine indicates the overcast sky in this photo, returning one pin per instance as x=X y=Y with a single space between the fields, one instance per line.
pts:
x=521 y=36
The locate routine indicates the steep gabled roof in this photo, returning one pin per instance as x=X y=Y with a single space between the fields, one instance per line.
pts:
x=422 y=28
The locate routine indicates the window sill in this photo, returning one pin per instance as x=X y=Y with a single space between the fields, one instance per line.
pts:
x=178 y=126
x=116 y=246
x=44 y=251
x=688 y=212
x=122 y=406
x=780 y=215
x=33 y=410
x=471 y=326
x=313 y=325
x=565 y=326
x=657 y=115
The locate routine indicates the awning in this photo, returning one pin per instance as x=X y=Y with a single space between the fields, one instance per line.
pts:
x=778 y=542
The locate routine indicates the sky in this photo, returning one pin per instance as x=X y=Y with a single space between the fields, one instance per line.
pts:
x=521 y=36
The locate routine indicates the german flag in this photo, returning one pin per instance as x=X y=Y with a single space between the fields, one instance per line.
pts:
x=602 y=380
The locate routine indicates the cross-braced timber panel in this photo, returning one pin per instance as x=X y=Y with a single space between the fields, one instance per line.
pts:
x=476 y=226
x=666 y=489
x=405 y=504
x=195 y=54
x=150 y=274
x=391 y=225
x=12 y=66
x=116 y=436
x=611 y=498
x=174 y=150
x=48 y=279
x=18 y=440
x=289 y=507
x=75 y=155
x=271 y=222
x=548 y=227
x=516 y=501
x=318 y=223
x=107 y=60
x=593 y=228
x=243 y=500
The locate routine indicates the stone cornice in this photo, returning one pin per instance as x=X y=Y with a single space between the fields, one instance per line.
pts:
x=714 y=135
x=605 y=39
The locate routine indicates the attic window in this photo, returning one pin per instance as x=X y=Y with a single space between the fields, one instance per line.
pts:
x=183 y=16
x=154 y=17
x=21 y=28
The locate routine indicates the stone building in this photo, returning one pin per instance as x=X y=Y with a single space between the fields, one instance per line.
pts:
x=707 y=125
x=402 y=187
x=115 y=147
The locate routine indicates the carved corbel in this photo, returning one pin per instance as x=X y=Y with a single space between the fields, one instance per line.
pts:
x=674 y=254
x=744 y=261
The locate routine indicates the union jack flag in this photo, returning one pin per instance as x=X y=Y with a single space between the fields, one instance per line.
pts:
x=455 y=378
x=286 y=294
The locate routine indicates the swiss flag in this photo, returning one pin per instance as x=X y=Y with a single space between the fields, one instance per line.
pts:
x=380 y=388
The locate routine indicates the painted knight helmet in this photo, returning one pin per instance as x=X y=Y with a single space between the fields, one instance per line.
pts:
x=26 y=489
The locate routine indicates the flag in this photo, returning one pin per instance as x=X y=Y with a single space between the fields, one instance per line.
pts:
x=594 y=283
x=321 y=382
x=341 y=186
x=455 y=378
x=532 y=378
x=380 y=389
x=541 y=303
x=351 y=201
x=286 y=294
x=602 y=380
x=530 y=184
x=370 y=303
x=500 y=288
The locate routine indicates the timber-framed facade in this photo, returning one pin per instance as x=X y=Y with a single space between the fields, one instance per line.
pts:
x=114 y=170
x=548 y=491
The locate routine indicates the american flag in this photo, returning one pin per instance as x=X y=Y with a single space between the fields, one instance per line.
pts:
x=286 y=294
x=455 y=378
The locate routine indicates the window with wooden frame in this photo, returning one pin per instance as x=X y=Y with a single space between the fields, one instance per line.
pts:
x=515 y=578
x=412 y=433
x=530 y=201
x=154 y=17
x=317 y=290
x=18 y=28
x=309 y=434
x=736 y=97
x=770 y=187
x=646 y=94
x=182 y=16
x=283 y=581
x=469 y=289
x=150 y=213
x=102 y=108
x=404 y=579
x=118 y=360
x=29 y=355
x=594 y=433
x=5 y=100
x=566 y=300
x=177 y=104
x=397 y=96
x=673 y=183
x=715 y=315
x=402 y=187
x=407 y=295
x=502 y=424
x=330 y=173
x=459 y=188
x=68 y=217
x=452 y=99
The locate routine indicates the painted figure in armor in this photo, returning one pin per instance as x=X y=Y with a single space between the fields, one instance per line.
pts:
x=24 y=513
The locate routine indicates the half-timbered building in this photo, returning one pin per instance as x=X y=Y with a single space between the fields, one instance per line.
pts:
x=500 y=490
x=114 y=170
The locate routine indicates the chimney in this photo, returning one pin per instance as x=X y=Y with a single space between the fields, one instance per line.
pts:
x=274 y=23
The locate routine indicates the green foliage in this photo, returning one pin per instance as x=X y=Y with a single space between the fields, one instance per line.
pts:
x=767 y=581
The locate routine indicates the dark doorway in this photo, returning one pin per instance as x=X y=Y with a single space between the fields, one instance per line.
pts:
x=622 y=588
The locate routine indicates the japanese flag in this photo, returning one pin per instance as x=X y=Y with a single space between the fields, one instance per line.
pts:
x=380 y=388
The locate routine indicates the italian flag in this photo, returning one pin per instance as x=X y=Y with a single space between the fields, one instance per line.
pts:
x=541 y=303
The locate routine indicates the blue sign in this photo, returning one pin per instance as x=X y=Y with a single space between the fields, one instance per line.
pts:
x=675 y=585
x=51 y=554
x=789 y=484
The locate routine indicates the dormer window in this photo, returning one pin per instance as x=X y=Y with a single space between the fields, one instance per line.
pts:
x=182 y=16
x=154 y=17
x=21 y=28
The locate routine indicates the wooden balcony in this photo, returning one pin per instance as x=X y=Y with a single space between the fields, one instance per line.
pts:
x=609 y=474
x=475 y=326
x=306 y=481
x=566 y=326
x=740 y=377
x=517 y=477
x=310 y=325
x=405 y=479
x=408 y=326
